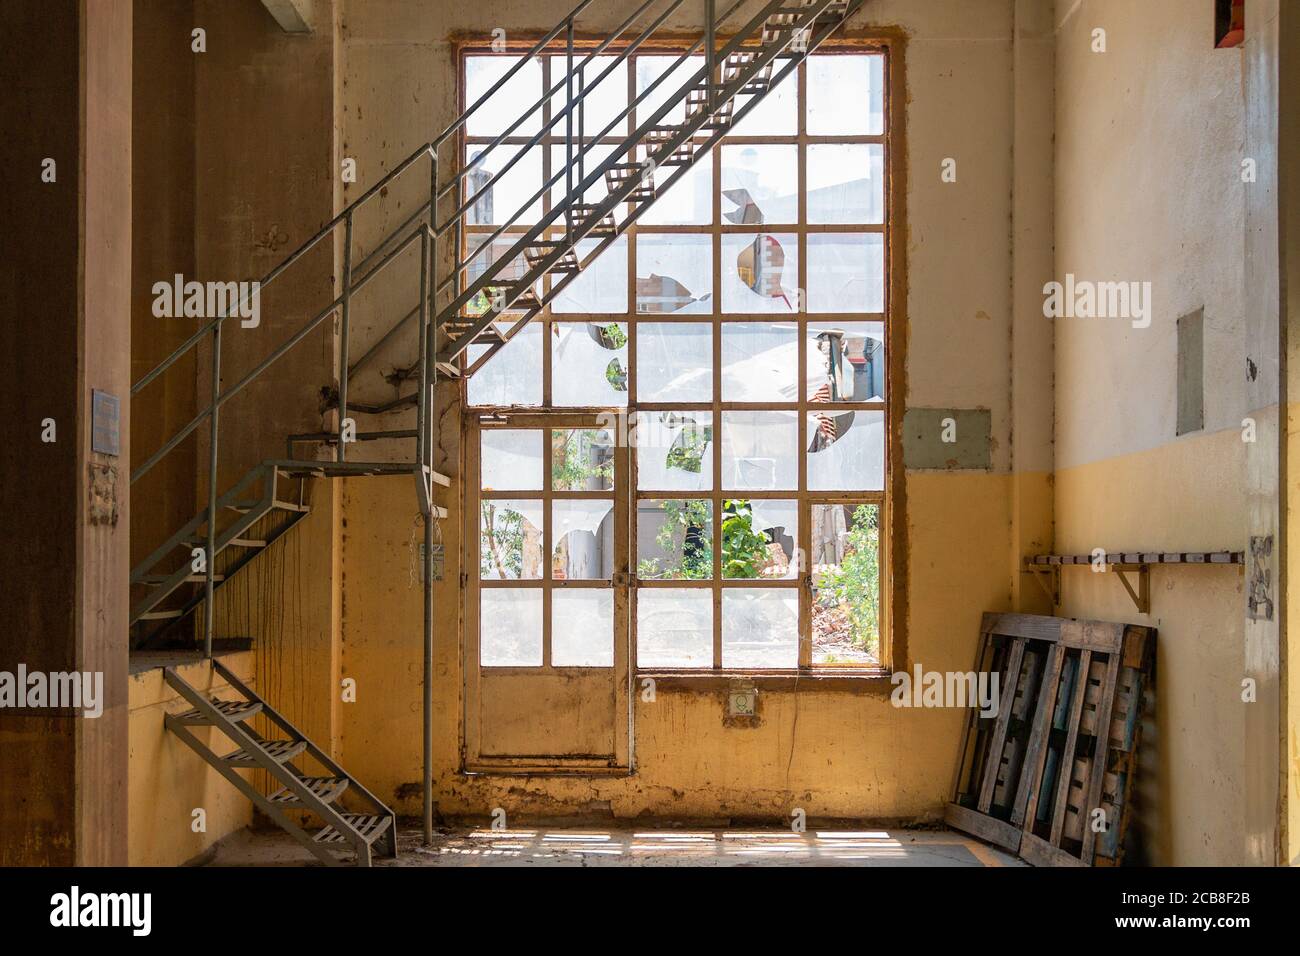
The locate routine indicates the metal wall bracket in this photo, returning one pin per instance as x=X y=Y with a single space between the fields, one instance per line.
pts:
x=1142 y=596
x=1049 y=579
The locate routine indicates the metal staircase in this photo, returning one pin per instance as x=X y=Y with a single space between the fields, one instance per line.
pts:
x=453 y=314
x=300 y=793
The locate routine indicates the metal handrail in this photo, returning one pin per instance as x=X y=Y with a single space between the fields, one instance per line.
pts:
x=586 y=147
x=629 y=143
x=356 y=276
x=430 y=147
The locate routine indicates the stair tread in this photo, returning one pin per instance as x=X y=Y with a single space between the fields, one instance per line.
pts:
x=160 y=615
x=370 y=826
x=245 y=507
x=189 y=578
x=232 y=543
x=327 y=789
x=235 y=710
x=277 y=750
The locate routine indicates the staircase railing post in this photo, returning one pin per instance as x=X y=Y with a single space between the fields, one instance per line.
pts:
x=209 y=608
x=709 y=52
x=425 y=459
x=341 y=454
x=582 y=120
x=568 y=132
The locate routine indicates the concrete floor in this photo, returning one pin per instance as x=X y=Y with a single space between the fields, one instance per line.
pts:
x=647 y=846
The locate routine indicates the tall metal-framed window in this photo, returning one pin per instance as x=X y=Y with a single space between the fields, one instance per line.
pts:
x=737 y=338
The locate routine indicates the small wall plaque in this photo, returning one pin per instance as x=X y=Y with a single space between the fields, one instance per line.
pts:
x=105 y=423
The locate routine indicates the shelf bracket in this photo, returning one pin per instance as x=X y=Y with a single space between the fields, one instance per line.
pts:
x=1142 y=596
x=1049 y=579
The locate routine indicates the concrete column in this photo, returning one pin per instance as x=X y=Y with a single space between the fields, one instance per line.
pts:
x=1266 y=458
x=65 y=296
x=1032 y=265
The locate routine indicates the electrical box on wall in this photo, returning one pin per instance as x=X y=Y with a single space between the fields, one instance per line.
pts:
x=742 y=700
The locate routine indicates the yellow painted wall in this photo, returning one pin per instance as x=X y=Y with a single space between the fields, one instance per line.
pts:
x=836 y=753
x=1189 y=802
x=168 y=781
x=1148 y=151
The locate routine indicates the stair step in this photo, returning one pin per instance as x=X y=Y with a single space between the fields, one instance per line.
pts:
x=160 y=615
x=619 y=174
x=278 y=750
x=245 y=507
x=528 y=297
x=369 y=826
x=603 y=228
x=189 y=578
x=327 y=789
x=235 y=710
x=455 y=330
x=568 y=262
x=232 y=543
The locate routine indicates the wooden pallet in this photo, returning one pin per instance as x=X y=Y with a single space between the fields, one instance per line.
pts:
x=1031 y=777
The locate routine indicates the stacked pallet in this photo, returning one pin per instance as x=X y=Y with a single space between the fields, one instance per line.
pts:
x=1049 y=776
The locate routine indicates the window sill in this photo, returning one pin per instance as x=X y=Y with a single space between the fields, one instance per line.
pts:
x=873 y=680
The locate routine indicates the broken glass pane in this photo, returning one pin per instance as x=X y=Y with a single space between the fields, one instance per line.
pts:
x=674 y=539
x=846 y=584
x=846 y=450
x=846 y=362
x=674 y=274
x=759 y=538
x=582 y=459
x=674 y=450
x=582 y=627
x=589 y=364
x=583 y=532
x=510 y=539
x=760 y=185
x=760 y=273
